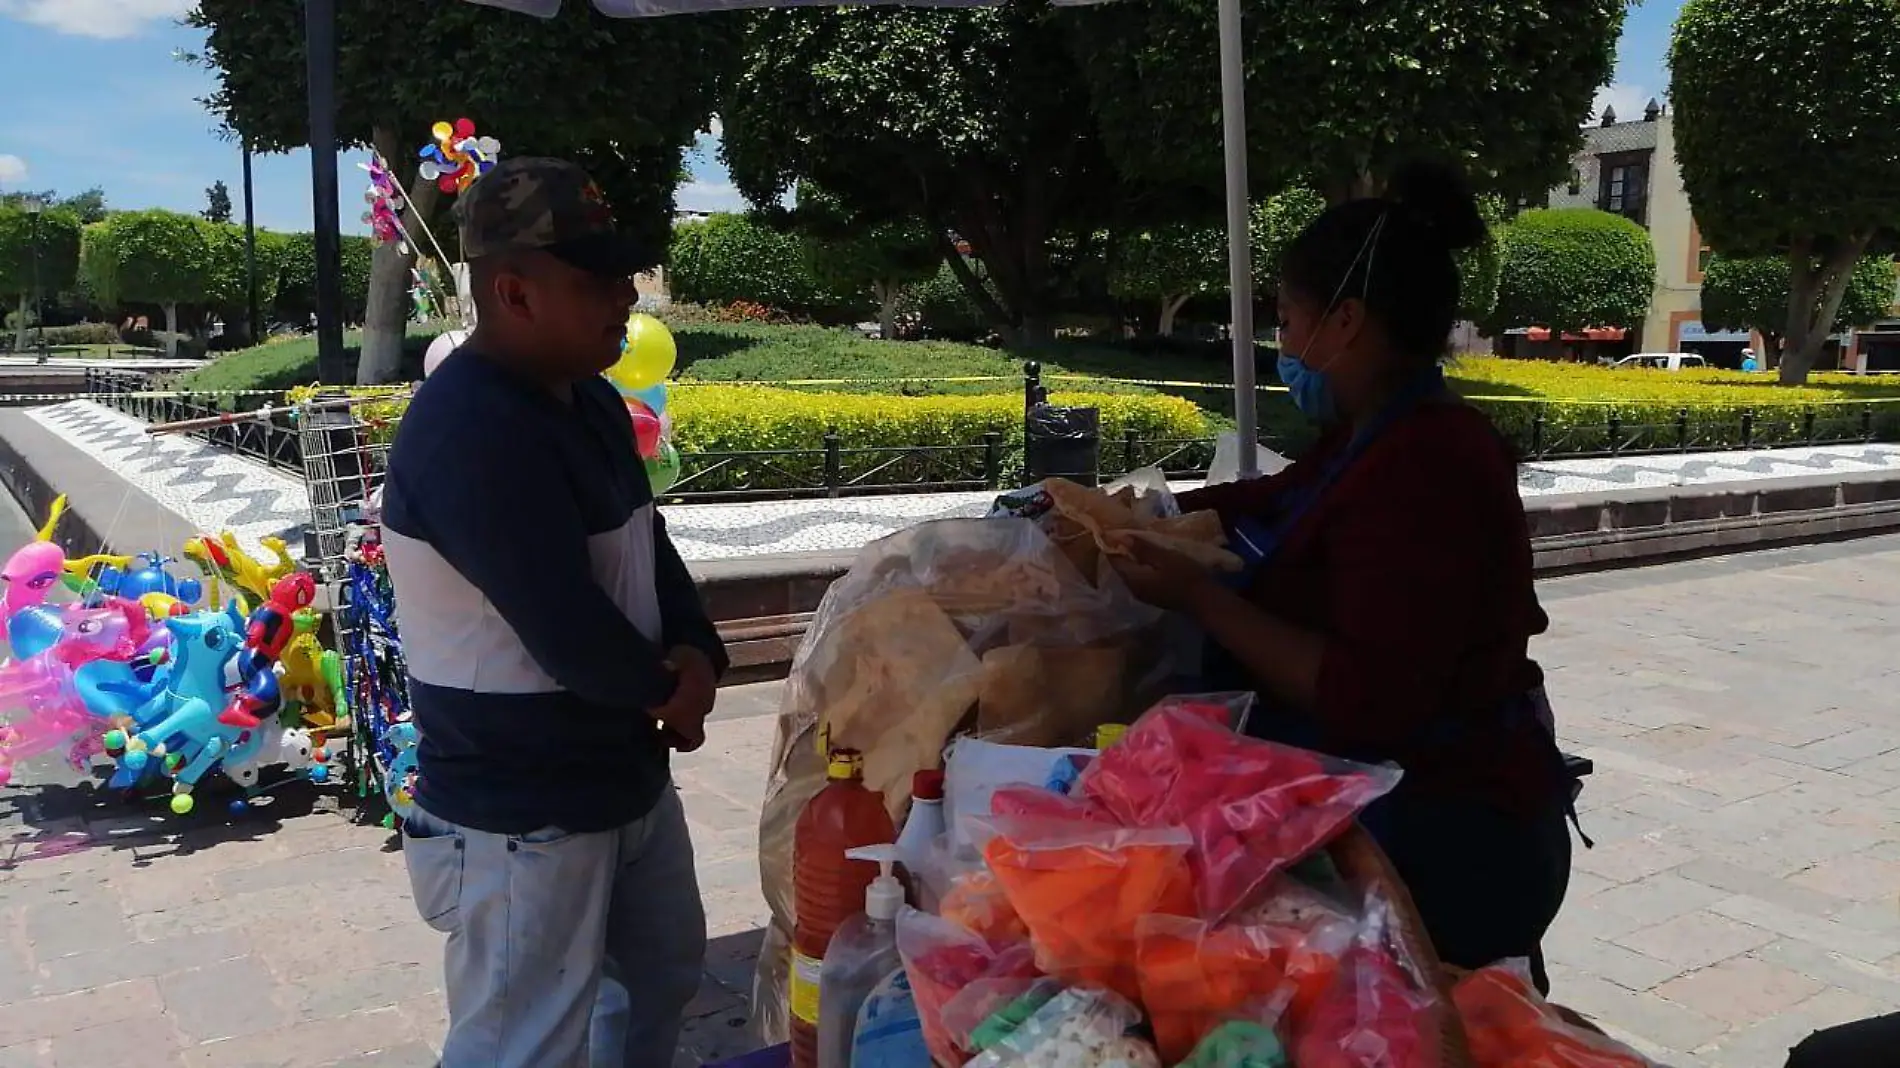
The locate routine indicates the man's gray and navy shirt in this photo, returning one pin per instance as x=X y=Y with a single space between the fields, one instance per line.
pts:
x=537 y=593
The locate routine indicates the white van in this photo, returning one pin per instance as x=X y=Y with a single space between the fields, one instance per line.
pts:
x=1660 y=361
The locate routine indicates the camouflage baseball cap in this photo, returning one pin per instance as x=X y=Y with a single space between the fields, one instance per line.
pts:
x=533 y=202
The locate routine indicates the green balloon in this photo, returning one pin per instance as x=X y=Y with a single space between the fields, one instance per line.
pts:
x=663 y=468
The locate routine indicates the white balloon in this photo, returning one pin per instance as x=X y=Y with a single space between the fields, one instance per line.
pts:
x=439 y=350
x=490 y=147
x=429 y=171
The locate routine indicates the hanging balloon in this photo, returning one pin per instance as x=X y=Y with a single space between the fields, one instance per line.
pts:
x=654 y=397
x=663 y=468
x=439 y=349
x=646 y=430
x=646 y=358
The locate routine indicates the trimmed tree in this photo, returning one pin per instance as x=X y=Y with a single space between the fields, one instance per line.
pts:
x=225 y=288
x=149 y=257
x=58 y=254
x=1171 y=265
x=1751 y=293
x=296 y=289
x=726 y=258
x=1339 y=101
x=1570 y=269
x=1762 y=90
x=645 y=87
x=848 y=255
x=974 y=122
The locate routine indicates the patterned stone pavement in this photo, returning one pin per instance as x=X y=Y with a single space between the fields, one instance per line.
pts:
x=215 y=490
x=1741 y=712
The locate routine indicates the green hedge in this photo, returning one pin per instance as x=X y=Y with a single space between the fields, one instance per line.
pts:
x=720 y=419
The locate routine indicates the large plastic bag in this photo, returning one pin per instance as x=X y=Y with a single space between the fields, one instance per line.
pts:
x=1082 y=888
x=1079 y=1027
x=1195 y=975
x=1253 y=808
x=961 y=624
x=1379 y=1011
x=1509 y=1026
x=942 y=960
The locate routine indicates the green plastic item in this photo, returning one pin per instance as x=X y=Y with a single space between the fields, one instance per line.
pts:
x=1238 y=1044
x=1004 y=1021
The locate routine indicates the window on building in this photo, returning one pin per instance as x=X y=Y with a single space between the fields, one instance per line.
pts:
x=1624 y=188
x=1702 y=257
x=1576 y=181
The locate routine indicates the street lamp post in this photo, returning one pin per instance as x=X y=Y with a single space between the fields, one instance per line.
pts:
x=33 y=208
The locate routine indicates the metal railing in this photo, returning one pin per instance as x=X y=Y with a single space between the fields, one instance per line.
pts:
x=1541 y=430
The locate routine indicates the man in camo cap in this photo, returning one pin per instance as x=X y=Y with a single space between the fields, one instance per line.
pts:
x=557 y=650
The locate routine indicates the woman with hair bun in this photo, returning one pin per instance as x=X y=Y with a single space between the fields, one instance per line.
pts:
x=1387 y=607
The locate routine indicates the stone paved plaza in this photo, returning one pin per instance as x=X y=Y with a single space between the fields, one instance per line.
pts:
x=1744 y=715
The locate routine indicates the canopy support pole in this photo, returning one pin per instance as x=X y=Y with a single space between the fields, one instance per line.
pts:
x=1233 y=106
x=320 y=59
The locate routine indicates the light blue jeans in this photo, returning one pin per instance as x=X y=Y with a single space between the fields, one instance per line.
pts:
x=537 y=921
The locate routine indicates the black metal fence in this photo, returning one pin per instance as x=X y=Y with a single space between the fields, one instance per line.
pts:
x=1541 y=430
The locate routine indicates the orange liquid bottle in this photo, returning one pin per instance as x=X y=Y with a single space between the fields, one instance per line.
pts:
x=828 y=887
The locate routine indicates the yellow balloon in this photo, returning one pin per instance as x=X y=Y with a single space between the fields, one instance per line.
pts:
x=648 y=356
x=442 y=131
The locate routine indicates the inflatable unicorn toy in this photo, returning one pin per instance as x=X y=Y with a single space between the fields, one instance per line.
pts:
x=33 y=569
x=178 y=723
x=41 y=688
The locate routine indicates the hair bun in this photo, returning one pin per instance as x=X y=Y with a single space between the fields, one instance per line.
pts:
x=1438 y=198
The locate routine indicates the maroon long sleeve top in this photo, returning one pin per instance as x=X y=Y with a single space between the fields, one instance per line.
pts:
x=1415 y=566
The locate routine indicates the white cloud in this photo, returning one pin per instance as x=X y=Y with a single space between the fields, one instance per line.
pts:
x=94 y=18
x=1628 y=100
x=710 y=196
x=13 y=170
x=716 y=128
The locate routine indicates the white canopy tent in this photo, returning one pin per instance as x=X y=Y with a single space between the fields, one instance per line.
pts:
x=1234 y=138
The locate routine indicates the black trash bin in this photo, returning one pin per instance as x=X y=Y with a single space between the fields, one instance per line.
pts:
x=1063 y=443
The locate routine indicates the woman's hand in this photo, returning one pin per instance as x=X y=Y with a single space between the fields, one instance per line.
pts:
x=1162 y=577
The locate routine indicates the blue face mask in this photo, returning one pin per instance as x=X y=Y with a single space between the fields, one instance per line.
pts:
x=1311 y=390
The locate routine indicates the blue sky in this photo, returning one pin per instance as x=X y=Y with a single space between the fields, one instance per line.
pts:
x=90 y=94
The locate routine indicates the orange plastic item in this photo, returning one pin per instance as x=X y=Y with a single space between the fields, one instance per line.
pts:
x=977 y=903
x=829 y=887
x=1196 y=976
x=1081 y=889
x=1508 y=1024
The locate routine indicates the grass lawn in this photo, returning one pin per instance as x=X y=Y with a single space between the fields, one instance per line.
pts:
x=92 y=352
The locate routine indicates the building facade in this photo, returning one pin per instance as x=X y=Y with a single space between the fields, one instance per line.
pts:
x=1629 y=168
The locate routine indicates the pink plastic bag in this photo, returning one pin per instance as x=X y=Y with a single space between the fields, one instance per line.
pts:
x=1252 y=808
x=1378 y=1013
x=942 y=959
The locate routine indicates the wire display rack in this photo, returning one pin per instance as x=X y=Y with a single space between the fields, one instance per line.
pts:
x=345 y=460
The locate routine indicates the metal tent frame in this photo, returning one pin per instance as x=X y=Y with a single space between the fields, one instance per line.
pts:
x=320 y=30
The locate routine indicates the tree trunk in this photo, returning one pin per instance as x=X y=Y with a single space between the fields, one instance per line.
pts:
x=171 y=330
x=19 y=334
x=1771 y=345
x=386 y=317
x=1170 y=307
x=886 y=293
x=1814 y=299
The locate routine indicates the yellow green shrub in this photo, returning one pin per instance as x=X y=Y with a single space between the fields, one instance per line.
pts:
x=711 y=422
x=1587 y=408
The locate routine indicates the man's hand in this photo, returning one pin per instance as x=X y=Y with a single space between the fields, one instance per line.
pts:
x=683 y=719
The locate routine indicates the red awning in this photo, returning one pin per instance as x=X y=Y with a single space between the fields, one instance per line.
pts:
x=1594 y=333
